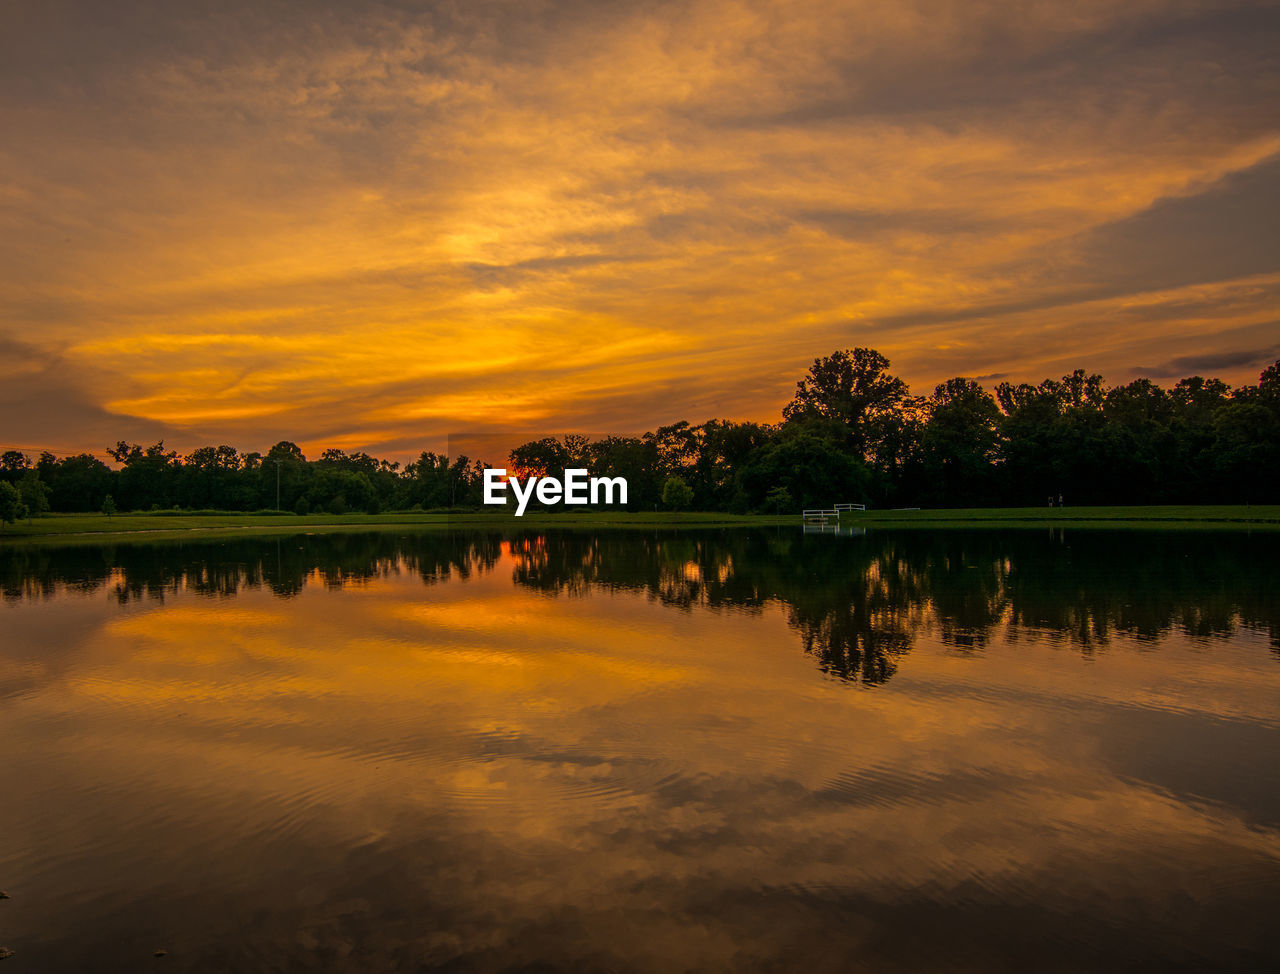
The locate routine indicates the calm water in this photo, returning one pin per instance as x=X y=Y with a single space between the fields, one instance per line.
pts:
x=628 y=751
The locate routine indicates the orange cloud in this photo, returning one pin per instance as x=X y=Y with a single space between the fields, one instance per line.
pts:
x=380 y=227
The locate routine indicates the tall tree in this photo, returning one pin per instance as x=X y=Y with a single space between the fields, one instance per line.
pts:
x=284 y=473
x=854 y=388
x=13 y=464
x=539 y=458
x=959 y=444
x=149 y=475
x=723 y=449
x=677 y=447
x=636 y=460
x=77 y=483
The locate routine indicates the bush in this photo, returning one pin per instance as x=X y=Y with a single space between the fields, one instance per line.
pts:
x=779 y=500
x=676 y=494
x=34 y=493
x=11 y=506
x=302 y=508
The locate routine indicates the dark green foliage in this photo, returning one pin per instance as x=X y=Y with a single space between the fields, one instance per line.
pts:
x=810 y=465
x=13 y=465
x=340 y=490
x=540 y=457
x=77 y=483
x=852 y=388
x=676 y=494
x=147 y=477
x=1246 y=451
x=1138 y=443
x=11 y=506
x=723 y=449
x=34 y=492
x=433 y=482
x=959 y=446
x=635 y=459
x=778 y=500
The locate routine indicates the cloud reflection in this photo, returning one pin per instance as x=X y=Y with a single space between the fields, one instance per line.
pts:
x=475 y=751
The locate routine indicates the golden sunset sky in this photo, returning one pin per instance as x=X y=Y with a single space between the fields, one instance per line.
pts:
x=368 y=225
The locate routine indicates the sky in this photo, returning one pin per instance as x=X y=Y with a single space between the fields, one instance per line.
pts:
x=370 y=225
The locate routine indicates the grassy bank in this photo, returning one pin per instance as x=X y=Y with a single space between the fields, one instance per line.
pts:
x=98 y=526
x=139 y=526
x=1169 y=516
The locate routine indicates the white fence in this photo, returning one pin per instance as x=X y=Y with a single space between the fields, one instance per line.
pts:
x=821 y=514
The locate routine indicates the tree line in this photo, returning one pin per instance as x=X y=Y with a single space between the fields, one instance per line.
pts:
x=852 y=433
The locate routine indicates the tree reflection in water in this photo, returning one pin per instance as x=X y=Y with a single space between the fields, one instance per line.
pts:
x=857 y=603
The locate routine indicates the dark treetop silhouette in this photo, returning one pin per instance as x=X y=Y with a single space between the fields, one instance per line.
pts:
x=852 y=433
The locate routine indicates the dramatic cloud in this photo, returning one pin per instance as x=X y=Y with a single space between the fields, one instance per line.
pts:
x=1199 y=364
x=367 y=225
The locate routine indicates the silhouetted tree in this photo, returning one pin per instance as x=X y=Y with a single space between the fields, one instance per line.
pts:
x=148 y=477
x=632 y=458
x=539 y=458
x=852 y=433
x=854 y=388
x=811 y=466
x=77 y=483
x=13 y=464
x=959 y=444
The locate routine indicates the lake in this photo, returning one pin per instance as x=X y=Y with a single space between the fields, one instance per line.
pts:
x=614 y=750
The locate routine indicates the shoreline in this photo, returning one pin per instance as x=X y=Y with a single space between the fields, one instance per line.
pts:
x=150 y=526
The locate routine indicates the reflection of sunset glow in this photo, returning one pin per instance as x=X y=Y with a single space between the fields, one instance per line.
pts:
x=482 y=661
x=626 y=727
x=369 y=237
